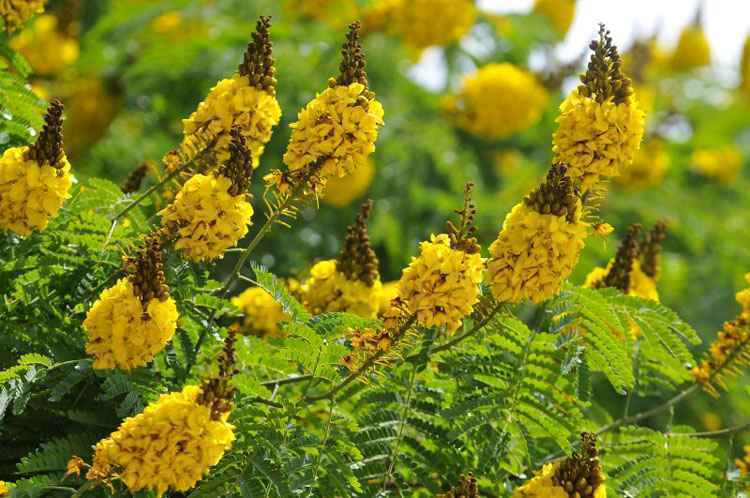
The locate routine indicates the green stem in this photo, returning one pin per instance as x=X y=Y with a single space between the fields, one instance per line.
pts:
x=391 y=462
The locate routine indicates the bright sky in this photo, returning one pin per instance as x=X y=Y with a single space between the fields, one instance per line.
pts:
x=726 y=22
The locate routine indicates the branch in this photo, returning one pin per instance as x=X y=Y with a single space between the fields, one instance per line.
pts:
x=729 y=431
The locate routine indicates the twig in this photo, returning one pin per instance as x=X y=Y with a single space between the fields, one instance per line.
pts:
x=729 y=431
x=287 y=380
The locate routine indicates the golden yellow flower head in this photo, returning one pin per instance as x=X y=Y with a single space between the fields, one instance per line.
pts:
x=263 y=313
x=15 y=13
x=335 y=132
x=497 y=101
x=721 y=164
x=133 y=320
x=246 y=101
x=579 y=475
x=743 y=464
x=559 y=12
x=211 y=213
x=693 y=50
x=441 y=285
x=540 y=242
x=4 y=489
x=649 y=166
x=341 y=191
x=47 y=49
x=387 y=294
x=600 y=124
x=350 y=283
x=35 y=180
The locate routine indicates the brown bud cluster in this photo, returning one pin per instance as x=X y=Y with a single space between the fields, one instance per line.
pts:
x=217 y=392
x=464 y=237
x=48 y=148
x=134 y=179
x=604 y=78
x=556 y=195
x=352 y=65
x=581 y=474
x=258 y=62
x=145 y=269
x=467 y=488
x=239 y=167
x=628 y=252
x=357 y=260
x=651 y=249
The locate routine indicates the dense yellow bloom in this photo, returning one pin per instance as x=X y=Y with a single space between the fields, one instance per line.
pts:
x=124 y=334
x=721 y=164
x=424 y=23
x=597 y=139
x=15 y=13
x=743 y=297
x=263 y=313
x=338 y=127
x=233 y=102
x=559 y=12
x=31 y=193
x=743 y=464
x=341 y=191
x=693 y=50
x=649 y=166
x=4 y=490
x=170 y=445
x=543 y=486
x=209 y=219
x=329 y=290
x=533 y=254
x=498 y=101
x=45 y=47
x=441 y=285
x=640 y=284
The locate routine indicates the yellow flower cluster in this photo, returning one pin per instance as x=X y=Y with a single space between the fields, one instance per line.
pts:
x=743 y=297
x=337 y=130
x=597 y=139
x=743 y=464
x=262 y=312
x=559 y=12
x=341 y=191
x=543 y=486
x=233 y=102
x=498 y=101
x=91 y=108
x=649 y=166
x=45 y=47
x=15 y=13
x=721 y=164
x=124 y=334
x=441 y=285
x=334 y=12
x=170 y=445
x=4 y=489
x=329 y=290
x=639 y=284
x=534 y=253
x=693 y=50
x=209 y=218
x=31 y=193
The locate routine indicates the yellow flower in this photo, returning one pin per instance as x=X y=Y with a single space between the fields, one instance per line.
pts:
x=15 y=13
x=693 y=50
x=90 y=110
x=210 y=220
x=745 y=68
x=441 y=285
x=640 y=284
x=743 y=297
x=597 y=139
x=337 y=130
x=46 y=48
x=743 y=464
x=335 y=12
x=35 y=180
x=341 y=191
x=721 y=164
x=543 y=486
x=387 y=293
x=328 y=290
x=559 y=12
x=125 y=334
x=497 y=101
x=4 y=489
x=169 y=446
x=262 y=312
x=649 y=166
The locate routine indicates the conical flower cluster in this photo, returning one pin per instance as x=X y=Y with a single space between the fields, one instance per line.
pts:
x=498 y=101
x=441 y=285
x=263 y=313
x=212 y=212
x=578 y=476
x=35 y=180
x=15 y=13
x=246 y=101
x=693 y=50
x=540 y=242
x=133 y=320
x=351 y=282
x=336 y=132
x=600 y=124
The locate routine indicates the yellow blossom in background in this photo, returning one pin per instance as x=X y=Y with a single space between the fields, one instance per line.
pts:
x=441 y=285
x=640 y=284
x=336 y=13
x=693 y=50
x=559 y=12
x=745 y=68
x=339 y=128
x=91 y=107
x=743 y=464
x=171 y=445
x=208 y=218
x=387 y=294
x=328 y=290
x=597 y=140
x=45 y=47
x=743 y=297
x=341 y=191
x=4 y=489
x=721 y=164
x=123 y=333
x=649 y=166
x=15 y=13
x=497 y=101
x=263 y=313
